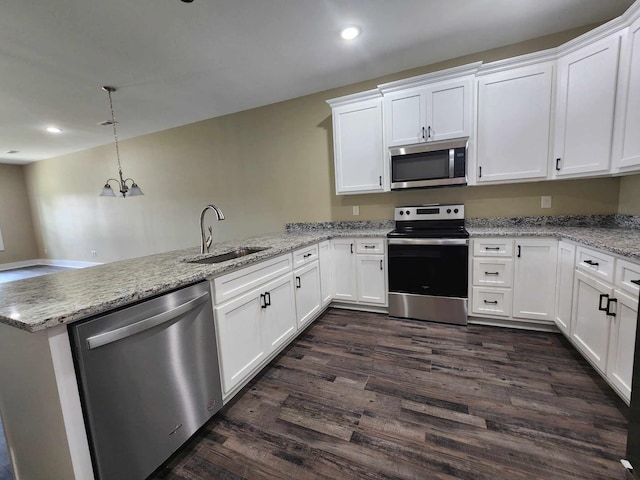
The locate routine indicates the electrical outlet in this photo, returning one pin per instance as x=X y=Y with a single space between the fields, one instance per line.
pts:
x=545 y=201
x=94 y=253
x=356 y=210
x=46 y=252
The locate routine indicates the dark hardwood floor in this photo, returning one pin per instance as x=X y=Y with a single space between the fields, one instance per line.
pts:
x=360 y=395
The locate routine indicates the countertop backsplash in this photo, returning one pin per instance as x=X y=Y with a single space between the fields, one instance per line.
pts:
x=341 y=225
x=593 y=221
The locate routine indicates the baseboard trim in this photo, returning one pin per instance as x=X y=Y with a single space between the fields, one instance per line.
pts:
x=46 y=261
x=513 y=323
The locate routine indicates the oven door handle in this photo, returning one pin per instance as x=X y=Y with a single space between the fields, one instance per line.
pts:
x=429 y=241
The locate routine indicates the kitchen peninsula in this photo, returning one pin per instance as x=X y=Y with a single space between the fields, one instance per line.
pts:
x=41 y=407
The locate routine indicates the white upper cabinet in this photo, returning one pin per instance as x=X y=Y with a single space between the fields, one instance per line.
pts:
x=626 y=139
x=358 y=146
x=586 y=95
x=436 y=106
x=514 y=121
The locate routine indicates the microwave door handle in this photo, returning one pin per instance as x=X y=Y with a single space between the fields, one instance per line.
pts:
x=451 y=162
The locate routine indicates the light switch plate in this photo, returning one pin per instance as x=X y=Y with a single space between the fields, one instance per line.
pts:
x=356 y=210
x=545 y=201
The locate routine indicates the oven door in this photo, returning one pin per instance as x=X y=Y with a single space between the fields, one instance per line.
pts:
x=429 y=266
x=428 y=279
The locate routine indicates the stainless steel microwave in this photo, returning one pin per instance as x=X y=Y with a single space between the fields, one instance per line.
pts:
x=433 y=164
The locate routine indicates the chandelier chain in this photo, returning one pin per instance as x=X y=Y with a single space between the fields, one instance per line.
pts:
x=115 y=133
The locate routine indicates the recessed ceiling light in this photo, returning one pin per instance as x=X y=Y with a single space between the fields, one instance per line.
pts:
x=53 y=130
x=350 y=33
x=12 y=151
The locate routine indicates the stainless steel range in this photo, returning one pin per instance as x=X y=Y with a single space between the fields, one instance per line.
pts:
x=428 y=264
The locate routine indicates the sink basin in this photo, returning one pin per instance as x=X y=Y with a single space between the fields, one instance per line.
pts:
x=223 y=257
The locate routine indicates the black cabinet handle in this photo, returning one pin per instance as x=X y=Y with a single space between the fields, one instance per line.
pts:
x=480 y=172
x=381 y=265
x=492 y=248
x=609 y=302
x=495 y=302
x=519 y=251
x=307 y=255
x=298 y=284
x=637 y=282
x=380 y=179
x=429 y=131
x=606 y=307
x=592 y=263
x=369 y=246
x=492 y=273
x=263 y=301
x=423 y=133
x=267 y=299
x=558 y=164
x=352 y=248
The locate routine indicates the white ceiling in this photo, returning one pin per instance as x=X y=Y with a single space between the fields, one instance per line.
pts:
x=176 y=63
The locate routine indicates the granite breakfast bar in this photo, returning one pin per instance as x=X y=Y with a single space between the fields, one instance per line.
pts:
x=39 y=400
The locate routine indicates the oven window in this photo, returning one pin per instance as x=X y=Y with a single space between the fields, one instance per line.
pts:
x=420 y=166
x=429 y=270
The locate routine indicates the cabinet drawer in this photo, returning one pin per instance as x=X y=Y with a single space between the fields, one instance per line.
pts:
x=491 y=301
x=493 y=247
x=370 y=245
x=245 y=279
x=489 y=272
x=596 y=263
x=305 y=255
x=625 y=273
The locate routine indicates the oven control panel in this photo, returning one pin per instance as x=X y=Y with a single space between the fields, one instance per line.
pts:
x=429 y=212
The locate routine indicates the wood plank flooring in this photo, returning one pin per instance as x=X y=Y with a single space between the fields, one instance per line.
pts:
x=363 y=396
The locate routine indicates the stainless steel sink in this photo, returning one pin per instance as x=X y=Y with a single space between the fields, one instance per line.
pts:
x=223 y=257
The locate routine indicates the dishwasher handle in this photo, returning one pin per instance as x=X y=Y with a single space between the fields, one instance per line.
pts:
x=135 y=328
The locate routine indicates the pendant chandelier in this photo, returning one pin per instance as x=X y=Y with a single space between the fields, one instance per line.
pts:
x=125 y=190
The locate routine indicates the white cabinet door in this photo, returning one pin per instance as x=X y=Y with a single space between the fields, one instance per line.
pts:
x=622 y=343
x=326 y=268
x=240 y=341
x=358 y=149
x=437 y=111
x=564 y=289
x=372 y=274
x=449 y=109
x=590 y=324
x=534 y=279
x=586 y=91
x=514 y=118
x=279 y=323
x=344 y=269
x=308 y=294
x=626 y=140
x=405 y=117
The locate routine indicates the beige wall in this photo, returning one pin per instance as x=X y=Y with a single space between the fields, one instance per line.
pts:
x=15 y=216
x=629 y=202
x=264 y=167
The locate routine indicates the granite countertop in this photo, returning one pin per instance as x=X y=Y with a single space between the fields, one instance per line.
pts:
x=39 y=303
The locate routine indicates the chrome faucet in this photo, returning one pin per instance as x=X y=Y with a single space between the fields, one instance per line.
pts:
x=207 y=241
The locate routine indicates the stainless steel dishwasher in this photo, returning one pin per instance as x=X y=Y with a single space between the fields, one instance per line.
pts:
x=149 y=378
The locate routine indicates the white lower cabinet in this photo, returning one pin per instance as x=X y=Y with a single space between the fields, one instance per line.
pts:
x=326 y=267
x=534 y=278
x=359 y=277
x=622 y=343
x=279 y=313
x=345 y=287
x=564 y=289
x=514 y=278
x=308 y=293
x=372 y=274
x=590 y=323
